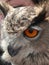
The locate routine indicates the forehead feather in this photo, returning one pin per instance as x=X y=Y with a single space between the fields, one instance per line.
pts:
x=15 y=17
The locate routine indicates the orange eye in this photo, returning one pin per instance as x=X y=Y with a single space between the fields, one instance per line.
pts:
x=31 y=33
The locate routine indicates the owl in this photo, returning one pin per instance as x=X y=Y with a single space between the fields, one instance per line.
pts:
x=25 y=34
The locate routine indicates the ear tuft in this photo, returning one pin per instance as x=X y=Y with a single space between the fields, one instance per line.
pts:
x=4 y=7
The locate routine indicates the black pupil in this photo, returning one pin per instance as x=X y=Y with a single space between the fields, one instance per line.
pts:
x=31 y=29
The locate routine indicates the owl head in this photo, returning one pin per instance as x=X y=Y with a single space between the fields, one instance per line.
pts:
x=25 y=34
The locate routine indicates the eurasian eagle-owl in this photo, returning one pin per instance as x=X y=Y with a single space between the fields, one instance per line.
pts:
x=25 y=34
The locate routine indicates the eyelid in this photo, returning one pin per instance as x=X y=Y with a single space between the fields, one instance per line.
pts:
x=37 y=28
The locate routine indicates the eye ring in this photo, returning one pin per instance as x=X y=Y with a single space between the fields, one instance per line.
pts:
x=36 y=33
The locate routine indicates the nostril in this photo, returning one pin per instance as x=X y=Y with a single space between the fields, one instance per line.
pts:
x=1 y=52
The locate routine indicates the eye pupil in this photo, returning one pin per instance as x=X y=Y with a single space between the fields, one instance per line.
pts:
x=30 y=30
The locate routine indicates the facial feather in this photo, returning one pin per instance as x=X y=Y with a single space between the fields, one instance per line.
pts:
x=31 y=51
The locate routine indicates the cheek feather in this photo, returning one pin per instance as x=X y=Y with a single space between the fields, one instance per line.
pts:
x=4 y=45
x=6 y=56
